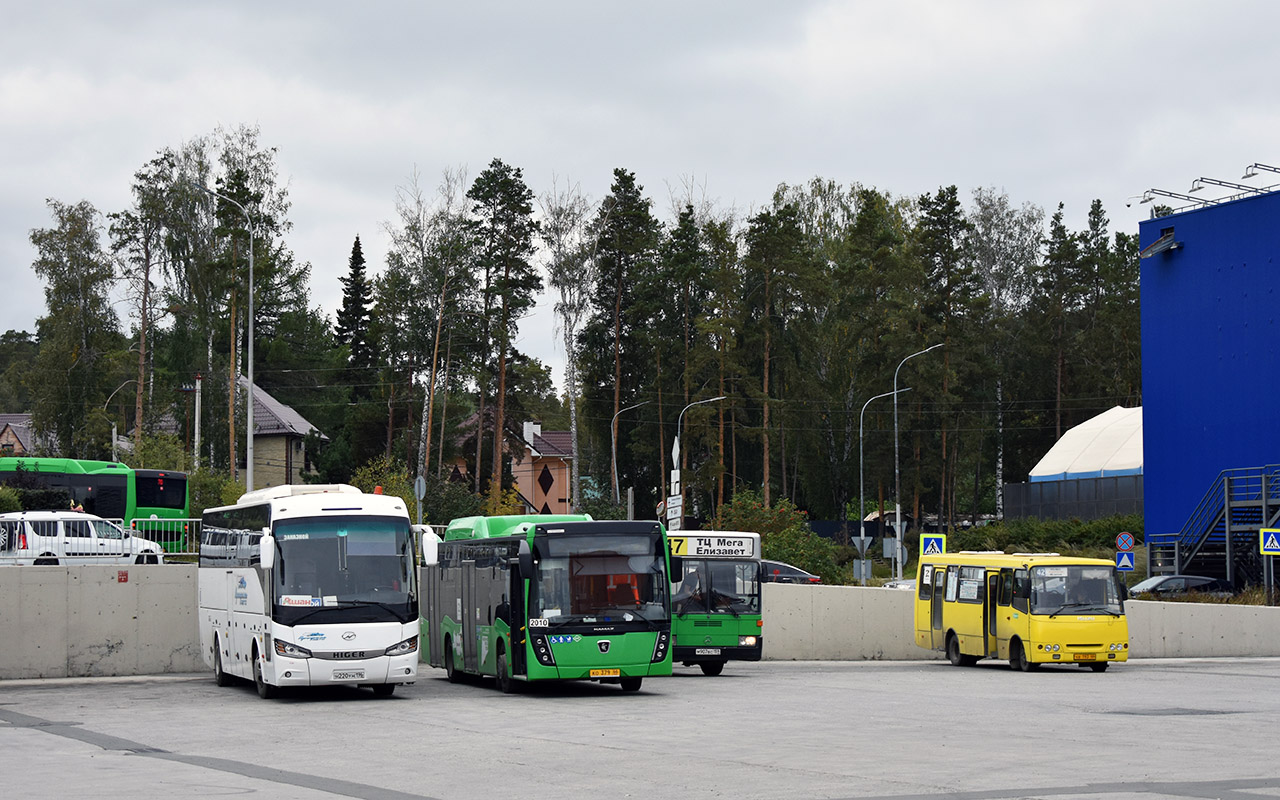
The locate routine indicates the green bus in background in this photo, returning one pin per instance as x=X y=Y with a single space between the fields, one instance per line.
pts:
x=548 y=597
x=150 y=501
x=716 y=614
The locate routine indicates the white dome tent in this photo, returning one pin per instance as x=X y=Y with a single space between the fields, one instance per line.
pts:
x=1108 y=445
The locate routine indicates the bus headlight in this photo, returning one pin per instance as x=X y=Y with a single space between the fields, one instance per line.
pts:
x=542 y=650
x=291 y=650
x=660 y=647
x=746 y=641
x=409 y=645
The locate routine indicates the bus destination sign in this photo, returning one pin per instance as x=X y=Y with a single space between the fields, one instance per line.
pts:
x=713 y=546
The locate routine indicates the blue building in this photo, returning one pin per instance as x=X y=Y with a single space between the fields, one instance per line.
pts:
x=1210 y=351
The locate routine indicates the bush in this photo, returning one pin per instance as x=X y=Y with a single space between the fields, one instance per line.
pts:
x=784 y=533
x=1044 y=536
x=9 y=500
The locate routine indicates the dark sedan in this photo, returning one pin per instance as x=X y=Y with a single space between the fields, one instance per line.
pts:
x=1159 y=586
x=778 y=572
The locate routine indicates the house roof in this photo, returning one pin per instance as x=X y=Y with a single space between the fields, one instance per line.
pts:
x=273 y=418
x=20 y=424
x=553 y=443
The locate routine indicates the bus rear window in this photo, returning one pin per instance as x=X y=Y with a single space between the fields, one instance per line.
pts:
x=161 y=491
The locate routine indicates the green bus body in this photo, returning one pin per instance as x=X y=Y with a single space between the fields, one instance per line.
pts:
x=549 y=597
x=110 y=490
x=716 y=606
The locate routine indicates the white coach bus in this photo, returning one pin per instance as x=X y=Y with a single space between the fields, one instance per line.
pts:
x=309 y=585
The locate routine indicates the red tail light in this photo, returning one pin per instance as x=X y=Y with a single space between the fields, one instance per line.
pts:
x=22 y=540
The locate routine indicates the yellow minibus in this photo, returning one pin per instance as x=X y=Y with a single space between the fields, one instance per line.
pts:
x=1028 y=608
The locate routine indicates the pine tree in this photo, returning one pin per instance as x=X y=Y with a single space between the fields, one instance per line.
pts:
x=353 y=319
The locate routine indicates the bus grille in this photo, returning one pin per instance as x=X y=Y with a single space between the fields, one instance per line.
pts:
x=707 y=623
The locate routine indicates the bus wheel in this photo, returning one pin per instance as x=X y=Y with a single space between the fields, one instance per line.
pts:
x=953 y=651
x=1018 y=658
x=631 y=684
x=1099 y=667
x=505 y=682
x=265 y=690
x=712 y=668
x=220 y=677
x=384 y=689
x=450 y=671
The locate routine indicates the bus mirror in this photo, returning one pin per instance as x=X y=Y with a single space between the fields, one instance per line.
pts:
x=267 y=554
x=526 y=560
x=1022 y=588
x=430 y=545
x=677 y=567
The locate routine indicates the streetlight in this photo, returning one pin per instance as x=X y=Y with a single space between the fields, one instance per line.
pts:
x=897 y=477
x=675 y=455
x=248 y=448
x=113 y=424
x=613 y=431
x=862 y=514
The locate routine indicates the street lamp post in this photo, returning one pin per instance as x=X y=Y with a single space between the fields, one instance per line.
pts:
x=862 y=514
x=677 y=488
x=613 y=431
x=897 y=476
x=248 y=448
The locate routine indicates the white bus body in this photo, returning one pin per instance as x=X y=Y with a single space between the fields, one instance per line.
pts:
x=309 y=585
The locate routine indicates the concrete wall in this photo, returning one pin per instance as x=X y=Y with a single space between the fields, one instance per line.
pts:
x=89 y=620
x=852 y=623
x=84 y=621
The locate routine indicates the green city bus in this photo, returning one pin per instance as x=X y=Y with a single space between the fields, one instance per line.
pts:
x=715 y=608
x=548 y=597
x=146 y=499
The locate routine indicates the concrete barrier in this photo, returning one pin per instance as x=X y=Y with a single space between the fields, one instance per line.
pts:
x=141 y=620
x=98 y=620
x=855 y=623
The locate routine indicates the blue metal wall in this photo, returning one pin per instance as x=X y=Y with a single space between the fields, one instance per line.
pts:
x=1210 y=366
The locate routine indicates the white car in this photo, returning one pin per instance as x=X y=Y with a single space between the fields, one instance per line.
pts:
x=71 y=537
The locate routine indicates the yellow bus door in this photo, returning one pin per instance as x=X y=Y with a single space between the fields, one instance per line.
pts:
x=992 y=613
x=939 y=639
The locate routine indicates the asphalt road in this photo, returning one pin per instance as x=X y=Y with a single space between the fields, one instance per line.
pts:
x=1147 y=729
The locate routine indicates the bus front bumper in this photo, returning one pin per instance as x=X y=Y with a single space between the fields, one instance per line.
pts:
x=322 y=671
x=700 y=654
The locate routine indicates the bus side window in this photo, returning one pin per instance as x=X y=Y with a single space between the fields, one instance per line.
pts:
x=1022 y=591
x=926 y=582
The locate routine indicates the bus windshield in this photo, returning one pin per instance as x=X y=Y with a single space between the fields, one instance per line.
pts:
x=716 y=586
x=1075 y=589
x=344 y=569
x=599 y=578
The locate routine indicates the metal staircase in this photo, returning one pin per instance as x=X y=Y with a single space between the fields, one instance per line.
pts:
x=1220 y=538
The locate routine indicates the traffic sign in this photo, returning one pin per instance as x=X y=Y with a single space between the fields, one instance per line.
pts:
x=1269 y=541
x=1124 y=562
x=933 y=544
x=675 y=507
x=1124 y=542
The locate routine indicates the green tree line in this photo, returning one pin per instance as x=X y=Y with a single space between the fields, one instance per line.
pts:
x=796 y=313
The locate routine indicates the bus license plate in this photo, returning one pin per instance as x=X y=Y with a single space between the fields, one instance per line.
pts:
x=348 y=675
x=707 y=651
x=606 y=673
x=1085 y=657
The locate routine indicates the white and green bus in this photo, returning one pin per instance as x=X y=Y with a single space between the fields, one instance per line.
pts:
x=309 y=585
x=715 y=607
x=548 y=597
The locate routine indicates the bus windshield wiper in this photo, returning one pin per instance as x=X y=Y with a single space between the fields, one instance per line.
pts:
x=1070 y=605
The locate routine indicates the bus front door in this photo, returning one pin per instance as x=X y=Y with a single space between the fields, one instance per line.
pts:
x=935 y=609
x=989 y=609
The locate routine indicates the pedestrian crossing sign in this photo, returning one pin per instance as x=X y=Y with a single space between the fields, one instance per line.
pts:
x=1269 y=540
x=934 y=544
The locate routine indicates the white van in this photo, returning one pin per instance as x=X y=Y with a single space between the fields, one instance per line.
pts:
x=71 y=537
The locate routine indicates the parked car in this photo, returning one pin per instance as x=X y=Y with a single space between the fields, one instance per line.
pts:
x=778 y=572
x=1165 y=585
x=71 y=537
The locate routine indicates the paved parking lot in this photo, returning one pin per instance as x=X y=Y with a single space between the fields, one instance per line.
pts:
x=1148 y=729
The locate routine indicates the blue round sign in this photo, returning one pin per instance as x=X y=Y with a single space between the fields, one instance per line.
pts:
x=1124 y=542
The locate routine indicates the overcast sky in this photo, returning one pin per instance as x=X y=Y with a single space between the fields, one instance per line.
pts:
x=1050 y=102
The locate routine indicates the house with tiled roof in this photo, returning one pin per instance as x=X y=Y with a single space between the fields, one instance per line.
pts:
x=17 y=437
x=279 y=456
x=543 y=472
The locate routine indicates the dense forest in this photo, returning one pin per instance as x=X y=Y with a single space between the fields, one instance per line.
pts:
x=798 y=314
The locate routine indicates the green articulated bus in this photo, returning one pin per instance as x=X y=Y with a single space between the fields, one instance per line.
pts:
x=143 y=498
x=716 y=613
x=548 y=597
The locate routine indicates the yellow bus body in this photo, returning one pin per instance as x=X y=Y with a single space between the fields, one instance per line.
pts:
x=1029 y=609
